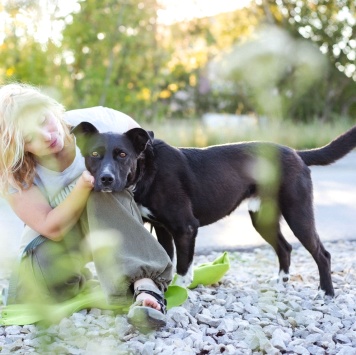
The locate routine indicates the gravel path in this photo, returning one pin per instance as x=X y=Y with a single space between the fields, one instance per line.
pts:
x=246 y=313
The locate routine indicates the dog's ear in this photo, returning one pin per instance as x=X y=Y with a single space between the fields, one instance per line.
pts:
x=83 y=131
x=151 y=134
x=139 y=138
x=84 y=128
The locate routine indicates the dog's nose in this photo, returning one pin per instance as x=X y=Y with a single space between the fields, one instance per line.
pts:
x=107 y=180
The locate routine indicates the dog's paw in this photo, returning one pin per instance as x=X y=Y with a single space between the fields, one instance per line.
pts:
x=320 y=295
x=283 y=277
x=185 y=280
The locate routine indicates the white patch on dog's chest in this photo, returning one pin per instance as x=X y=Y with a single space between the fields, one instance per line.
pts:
x=254 y=204
x=145 y=212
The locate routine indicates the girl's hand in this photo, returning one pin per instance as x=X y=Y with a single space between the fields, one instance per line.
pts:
x=86 y=180
x=54 y=223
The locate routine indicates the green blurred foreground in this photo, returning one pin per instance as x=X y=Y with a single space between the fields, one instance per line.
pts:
x=193 y=133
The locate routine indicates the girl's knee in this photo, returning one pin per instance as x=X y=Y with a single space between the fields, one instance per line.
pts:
x=71 y=287
x=49 y=273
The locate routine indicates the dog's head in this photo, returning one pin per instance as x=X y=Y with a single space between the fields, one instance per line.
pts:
x=111 y=157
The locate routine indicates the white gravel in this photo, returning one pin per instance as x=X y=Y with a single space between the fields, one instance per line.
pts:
x=248 y=312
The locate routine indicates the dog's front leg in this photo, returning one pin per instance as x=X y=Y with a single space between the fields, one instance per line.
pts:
x=185 y=245
x=187 y=279
x=165 y=239
x=183 y=260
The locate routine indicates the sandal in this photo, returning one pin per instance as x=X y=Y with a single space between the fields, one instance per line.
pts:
x=146 y=318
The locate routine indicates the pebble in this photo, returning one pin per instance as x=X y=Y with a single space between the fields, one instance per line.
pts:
x=246 y=313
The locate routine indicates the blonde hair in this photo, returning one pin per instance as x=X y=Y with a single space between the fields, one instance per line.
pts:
x=17 y=167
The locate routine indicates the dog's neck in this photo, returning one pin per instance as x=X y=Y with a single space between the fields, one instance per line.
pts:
x=145 y=173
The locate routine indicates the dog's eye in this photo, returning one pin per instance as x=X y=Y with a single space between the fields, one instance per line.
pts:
x=122 y=154
x=94 y=154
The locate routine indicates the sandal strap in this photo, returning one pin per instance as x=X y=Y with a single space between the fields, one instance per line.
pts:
x=148 y=288
x=155 y=292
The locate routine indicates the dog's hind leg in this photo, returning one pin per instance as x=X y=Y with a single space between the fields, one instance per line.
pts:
x=297 y=209
x=301 y=222
x=271 y=233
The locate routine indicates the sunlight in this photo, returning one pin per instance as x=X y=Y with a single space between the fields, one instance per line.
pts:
x=185 y=10
x=171 y=11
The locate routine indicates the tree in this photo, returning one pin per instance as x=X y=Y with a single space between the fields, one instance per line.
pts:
x=113 y=57
x=194 y=45
x=331 y=26
x=298 y=63
x=29 y=46
x=22 y=58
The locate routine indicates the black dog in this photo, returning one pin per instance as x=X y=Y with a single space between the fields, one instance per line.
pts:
x=181 y=189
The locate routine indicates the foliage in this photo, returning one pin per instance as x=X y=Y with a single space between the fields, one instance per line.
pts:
x=331 y=25
x=281 y=72
x=195 y=44
x=272 y=71
x=23 y=56
x=298 y=135
x=116 y=60
x=281 y=59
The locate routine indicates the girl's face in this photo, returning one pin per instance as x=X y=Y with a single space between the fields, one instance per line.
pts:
x=43 y=134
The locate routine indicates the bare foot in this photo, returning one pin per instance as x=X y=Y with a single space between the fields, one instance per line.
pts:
x=148 y=300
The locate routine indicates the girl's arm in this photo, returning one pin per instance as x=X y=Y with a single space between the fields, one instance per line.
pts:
x=34 y=210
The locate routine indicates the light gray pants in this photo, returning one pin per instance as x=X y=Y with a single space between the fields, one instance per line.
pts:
x=111 y=233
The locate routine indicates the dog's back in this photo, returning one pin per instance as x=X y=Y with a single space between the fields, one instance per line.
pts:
x=212 y=181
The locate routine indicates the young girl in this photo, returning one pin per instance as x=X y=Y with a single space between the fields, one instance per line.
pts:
x=43 y=178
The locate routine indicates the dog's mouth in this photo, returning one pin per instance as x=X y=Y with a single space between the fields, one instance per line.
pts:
x=114 y=187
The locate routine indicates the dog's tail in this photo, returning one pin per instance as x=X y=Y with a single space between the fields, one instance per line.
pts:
x=331 y=152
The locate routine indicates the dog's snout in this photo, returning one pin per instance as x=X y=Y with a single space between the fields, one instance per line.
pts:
x=107 y=179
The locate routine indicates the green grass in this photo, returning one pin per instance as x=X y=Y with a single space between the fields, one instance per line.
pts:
x=192 y=133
